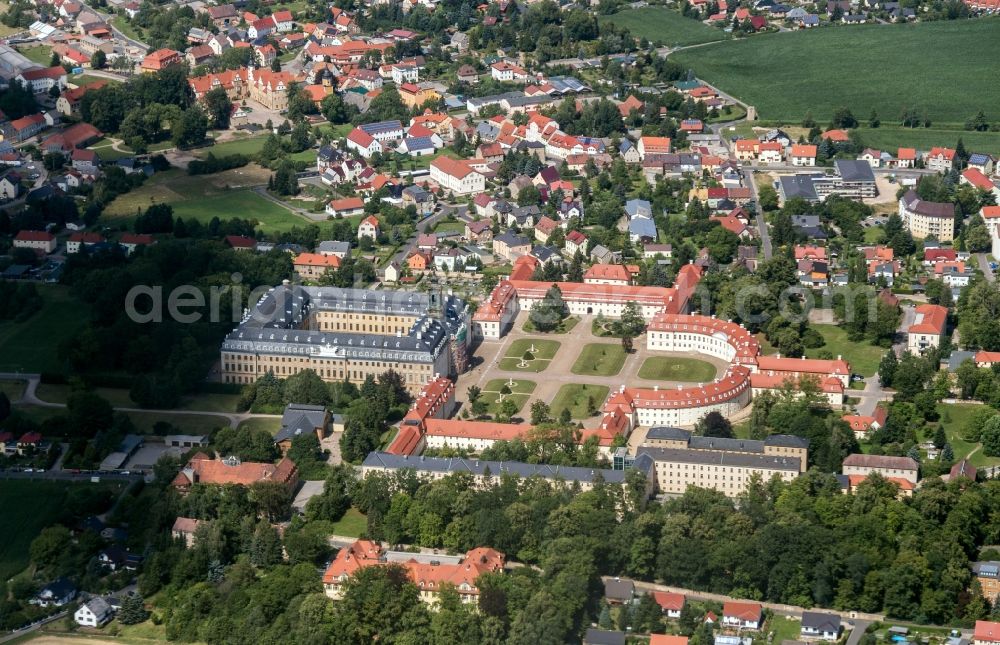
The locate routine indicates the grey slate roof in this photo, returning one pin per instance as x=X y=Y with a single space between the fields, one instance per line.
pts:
x=854 y=170
x=596 y=636
x=798 y=186
x=617 y=589
x=479 y=467
x=668 y=434
x=717 y=458
x=820 y=621
x=299 y=419
x=332 y=246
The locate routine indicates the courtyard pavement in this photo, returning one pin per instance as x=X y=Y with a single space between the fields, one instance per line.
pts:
x=558 y=373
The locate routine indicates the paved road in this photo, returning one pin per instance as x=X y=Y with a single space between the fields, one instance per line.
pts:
x=762 y=227
x=984 y=266
x=859 y=630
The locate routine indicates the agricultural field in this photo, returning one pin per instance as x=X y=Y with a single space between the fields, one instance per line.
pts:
x=599 y=359
x=661 y=25
x=32 y=345
x=578 y=399
x=203 y=197
x=786 y=75
x=892 y=137
x=677 y=368
x=863 y=357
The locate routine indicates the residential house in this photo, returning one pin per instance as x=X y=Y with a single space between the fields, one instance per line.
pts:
x=803 y=155
x=200 y=469
x=928 y=329
x=57 y=593
x=509 y=245
x=906 y=158
x=41 y=80
x=614 y=274
x=132 y=241
x=41 y=242
x=819 y=626
x=618 y=591
x=80 y=240
x=369 y=227
x=576 y=242
x=300 y=419
x=927 y=219
x=332 y=247
x=365 y=144
x=742 y=615
x=544 y=228
x=595 y=636
x=889 y=467
x=241 y=243
x=457 y=176
x=653 y=146
x=312 y=266
x=96 y=612
x=940 y=159
x=160 y=59
x=671 y=603
x=184 y=528
x=346 y=207
x=986 y=633
x=480 y=231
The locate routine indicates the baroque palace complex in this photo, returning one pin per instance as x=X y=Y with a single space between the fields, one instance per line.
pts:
x=353 y=333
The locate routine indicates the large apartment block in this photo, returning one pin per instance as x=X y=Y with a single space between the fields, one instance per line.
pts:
x=349 y=334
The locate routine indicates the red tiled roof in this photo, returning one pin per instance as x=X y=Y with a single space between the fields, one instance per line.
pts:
x=746 y=611
x=34 y=236
x=931 y=319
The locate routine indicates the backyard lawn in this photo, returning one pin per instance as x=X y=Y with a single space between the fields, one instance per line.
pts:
x=543 y=352
x=661 y=25
x=599 y=359
x=863 y=358
x=676 y=368
x=32 y=345
x=867 y=74
x=271 y=425
x=352 y=524
x=583 y=401
x=40 y=54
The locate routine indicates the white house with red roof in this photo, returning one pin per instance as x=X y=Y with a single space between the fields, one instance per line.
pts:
x=37 y=241
x=653 y=146
x=457 y=176
x=369 y=227
x=929 y=326
x=283 y=20
x=346 y=207
x=132 y=241
x=802 y=154
x=43 y=79
x=742 y=615
x=508 y=72
x=940 y=159
x=906 y=157
x=671 y=603
x=77 y=241
x=986 y=633
x=977 y=179
x=363 y=143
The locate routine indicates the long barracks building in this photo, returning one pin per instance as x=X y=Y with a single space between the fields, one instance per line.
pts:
x=349 y=334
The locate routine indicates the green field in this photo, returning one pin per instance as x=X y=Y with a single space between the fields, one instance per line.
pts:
x=892 y=137
x=954 y=416
x=786 y=75
x=544 y=351
x=202 y=197
x=271 y=425
x=32 y=345
x=520 y=393
x=675 y=368
x=599 y=359
x=119 y=398
x=577 y=397
x=352 y=524
x=13 y=389
x=182 y=423
x=784 y=628
x=863 y=358
x=26 y=507
x=661 y=25
x=41 y=54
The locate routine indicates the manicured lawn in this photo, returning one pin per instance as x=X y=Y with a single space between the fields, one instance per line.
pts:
x=892 y=137
x=578 y=398
x=786 y=75
x=119 y=398
x=271 y=425
x=32 y=345
x=352 y=524
x=26 y=507
x=784 y=628
x=954 y=416
x=40 y=54
x=13 y=389
x=248 y=146
x=445 y=226
x=661 y=25
x=599 y=359
x=863 y=358
x=563 y=327
x=873 y=234
x=206 y=196
x=520 y=393
x=85 y=79
x=544 y=351
x=676 y=368
x=338 y=131
x=182 y=423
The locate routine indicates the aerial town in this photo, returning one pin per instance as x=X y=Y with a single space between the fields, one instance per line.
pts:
x=667 y=322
